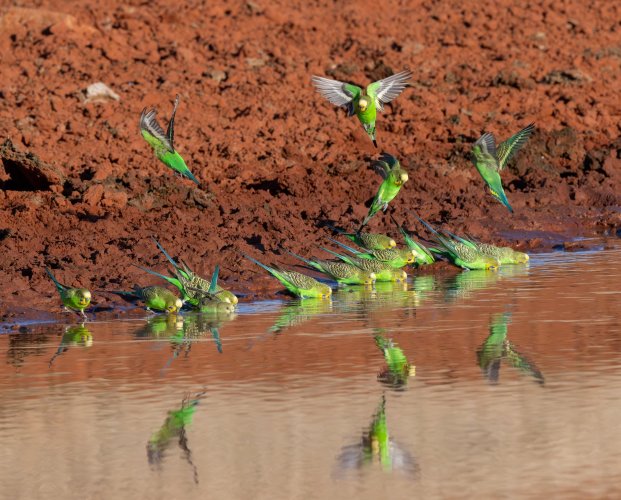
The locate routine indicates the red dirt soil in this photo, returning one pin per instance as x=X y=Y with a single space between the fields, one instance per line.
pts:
x=82 y=192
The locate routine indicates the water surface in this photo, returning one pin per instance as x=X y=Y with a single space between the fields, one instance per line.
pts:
x=515 y=394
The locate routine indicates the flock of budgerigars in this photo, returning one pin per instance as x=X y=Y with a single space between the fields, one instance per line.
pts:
x=378 y=259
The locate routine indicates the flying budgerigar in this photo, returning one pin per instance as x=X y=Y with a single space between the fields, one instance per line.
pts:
x=398 y=367
x=363 y=104
x=163 y=143
x=340 y=271
x=155 y=298
x=297 y=283
x=369 y=241
x=75 y=299
x=490 y=159
x=394 y=178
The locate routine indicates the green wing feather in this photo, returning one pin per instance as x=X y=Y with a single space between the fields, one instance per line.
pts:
x=512 y=145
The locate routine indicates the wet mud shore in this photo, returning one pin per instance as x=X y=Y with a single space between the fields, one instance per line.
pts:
x=81 y=192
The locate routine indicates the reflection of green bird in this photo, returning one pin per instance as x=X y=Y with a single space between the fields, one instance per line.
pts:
x=376 y=445
x=298 y=312
x=363 y=105
x=398 y=368
x=369 y=241
x=155 y=298
x=394 y=257
x=381 y=270
x=497 y=347
x=189 y=283
x=394 y=178
x=340 y=271
x=458 y=253
x=174 y=427
x=163 y=143
x=297 y=283
x=491 y=160
x=77 y=335
x=75 y=299
x=422 y=254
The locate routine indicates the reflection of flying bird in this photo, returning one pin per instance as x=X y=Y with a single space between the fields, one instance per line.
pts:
x=497 y=348
x=74 y=299
x=77 y=335
x=377 y=446
x=174 y=427
x=490 y=159
x=363 y=104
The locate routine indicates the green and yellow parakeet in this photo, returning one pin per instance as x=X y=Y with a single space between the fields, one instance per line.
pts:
x=297 y=283
x=383 y=271
x=369 y=241
x=163 y=143
x=422 y=253
x=75 y=299
x=504 y=255
x=395 y=257
x=363 y=104
x=460 y=254
x=394 y=178
x=155 y=298
x=491 y=160
x=339 y=271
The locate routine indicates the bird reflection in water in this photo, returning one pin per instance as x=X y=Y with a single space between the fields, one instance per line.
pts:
x=174 y=428
x=497 y=348
x=398 y=369
x=77 y=335
x=377 y=446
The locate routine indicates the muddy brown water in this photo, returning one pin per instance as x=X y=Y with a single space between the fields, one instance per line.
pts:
x=515 y=394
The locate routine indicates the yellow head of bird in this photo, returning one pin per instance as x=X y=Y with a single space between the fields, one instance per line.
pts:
x=363 y=104
x=392 y=243
x=85 y=297
x=492 y=264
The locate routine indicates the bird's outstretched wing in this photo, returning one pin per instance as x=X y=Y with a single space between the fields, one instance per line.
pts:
x=338 y=93
x=149 y=124
x=512 y=145
x=170 y=131
x=384 y=91
x=487 y=143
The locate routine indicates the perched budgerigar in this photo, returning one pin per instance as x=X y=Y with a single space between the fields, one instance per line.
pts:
x=340 y=271
x=490 y=159
x=505 y=255
x=75 y=299
x=423 y=255
x=155 y=298
x=370 y=241
x=398 y=368
x=297 y=283
x=383 y=272
x=460 y=254
x=394 y=178
x=363 y=104
x=189 y=283
x=163 y=142
x=395 y=257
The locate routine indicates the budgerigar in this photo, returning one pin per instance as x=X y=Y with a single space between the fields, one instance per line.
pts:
x=155 y=298
x=340 y=271
x=504 y=255
x=188 y=283
x=363 y=104
x=75 y=299
x=460 y=254
x=297 y=283
x=395 y=257
x=423 y=255
x=163 y=143
x=491 y=160
x=369 y=241
x=383 y=272
x=394 y=178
